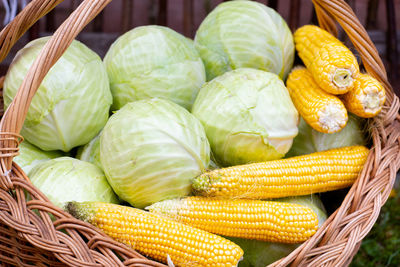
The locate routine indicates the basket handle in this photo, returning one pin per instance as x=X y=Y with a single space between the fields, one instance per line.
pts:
x=22 y=22
x=14 y=116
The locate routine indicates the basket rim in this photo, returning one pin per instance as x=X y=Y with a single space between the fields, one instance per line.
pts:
x=340 y=235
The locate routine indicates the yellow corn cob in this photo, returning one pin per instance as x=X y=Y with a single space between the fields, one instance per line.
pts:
x=367 y=97
x=331 y=63
x=303 y=175
x=251 y=219
x=322 y=111
x=158 y=237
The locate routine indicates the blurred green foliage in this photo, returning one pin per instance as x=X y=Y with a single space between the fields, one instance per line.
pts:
x=381 y=248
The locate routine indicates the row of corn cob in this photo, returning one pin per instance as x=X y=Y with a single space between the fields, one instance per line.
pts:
x=331 y=69
x=183 y=230
x=229 y=205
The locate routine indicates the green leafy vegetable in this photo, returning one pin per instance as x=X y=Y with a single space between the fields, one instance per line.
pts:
x=245 y=34
x=91 y=152
x=29 y=156
x=154 y=61
x=151 y=149
x=67 y=179
x=72 y=103
x=309 y=140
x=248 y=116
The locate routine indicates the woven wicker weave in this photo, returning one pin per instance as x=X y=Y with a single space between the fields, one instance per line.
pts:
x=29 y=237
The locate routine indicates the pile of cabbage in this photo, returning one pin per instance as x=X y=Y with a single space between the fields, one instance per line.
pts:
x=160 y=109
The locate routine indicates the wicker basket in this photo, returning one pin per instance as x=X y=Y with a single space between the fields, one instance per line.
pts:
x=29 y=237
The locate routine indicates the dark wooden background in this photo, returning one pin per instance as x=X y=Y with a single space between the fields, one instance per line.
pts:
x=378 y=16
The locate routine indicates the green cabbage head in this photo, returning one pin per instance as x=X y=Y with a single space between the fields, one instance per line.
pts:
x=72 y=103
x=154 y=61
x=248 y=116
x=245 y=34
x=67 y=179
x=150 y=151
x=309 y=140
x=30 y=156
x=91 y=152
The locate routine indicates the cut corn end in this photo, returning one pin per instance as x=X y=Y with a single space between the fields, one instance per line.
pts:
x=342 y=78
x=332 y=64
x=322 y=111
x=334 y=68
x=332 y=119
x=367 y=98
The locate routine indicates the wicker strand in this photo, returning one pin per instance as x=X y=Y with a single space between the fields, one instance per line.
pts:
x=338 y=240
x=342 y=12
x=325 y=20
x=40 y=233
x=69 y=248
x=37 y=227
x=15 y=114
x=21 y=23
